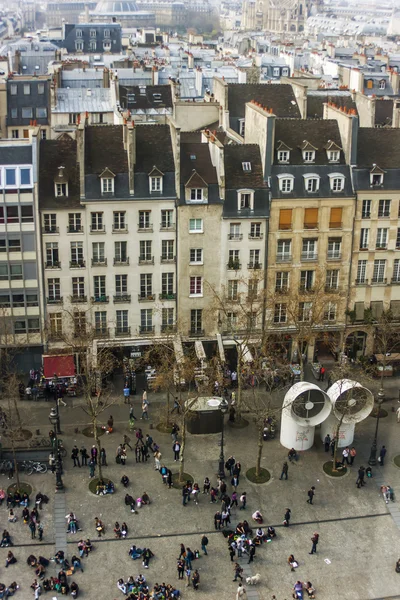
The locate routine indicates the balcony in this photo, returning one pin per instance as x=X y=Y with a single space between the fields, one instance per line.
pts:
x=331 y=289
x=334 y=256
x=100 y=299
x=362 y=281
x=168 y=328
x=122 y=331
x=146 y=329
x=280 y=258
x=281 y=290
x=256 y=236
x=254 y=265
x=98 y=262
x=378 y=281
x=122 y=298
x=196 y=332
x=163 y=296
x=49 y=229
x=146 y=297
x=146 y=261
x=53 y=264
x=305 y=289
x=145 y=228
x=167 y=227
x=97 y=229
x=101 y=332
x=168 y=259
x=235 y=236
x=54 y=300
x=117 y=229
x=381 y=247
x=366 y=215
x=121 y=261
x=78 y=299
x=233 y=265
x=309 y=256
x=74 y=228
x=77 y=264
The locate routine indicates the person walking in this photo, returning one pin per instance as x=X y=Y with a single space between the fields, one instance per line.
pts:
x=232 y=550
x=217 y=520
x=240 y=592
x=181 y=568
x=127 y=394
x=145 y=414
x=243 y=500
x=333 y=444
x=40 y=531
x=196 y=580
x=176 y=447
x=311 y=494
x=93 y=453
x=92 y=467
x=315 y=540
x=174 y=432
x=52 y=462
x=188 y=573
x=32 y=527
x=75 y=456
x=177 y=406
x=103 y=457
x=84 y=456
x=204 y=544
x=286 y=520
x=322 y=373
x=382 y=455
x=185 y=495
x=345 y=455
x=157 y=460
x=327 y=442
x=252 y=553
x=360 y=479
x=237 y=569
x=285 y=469
x=144 y=397
x=353 y=454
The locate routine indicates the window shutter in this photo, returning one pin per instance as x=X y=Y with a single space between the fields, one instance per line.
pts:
x=359 y=308
x=285 y=218
x=310 y=218
x=336 y=218
x=377 y=309
x=395 y=308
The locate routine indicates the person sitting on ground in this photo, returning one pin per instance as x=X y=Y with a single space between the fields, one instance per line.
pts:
x=271 y=532
x=145 y=498
x=124 y=530
x=129 y=501
x=292 y=562
x=24 y=500
x=121 y=586
x=260 y=534
x=240 y=529
x=12 y=588
x=31 y=561
x=99 y=526
x=257 y=516
x=10 y=501
x=17 y=498
x=135 y=552
x=100 y=487
x=397 y=567
x=6 y=539
x=40 y=571
x=309 y=589
x=10 y=560
x=12 y=517
x=72 y=523
x=74 y=589
x=385 y=493
x=76 y=563
x=109 y=488
x=125 y=481
x=292 y=455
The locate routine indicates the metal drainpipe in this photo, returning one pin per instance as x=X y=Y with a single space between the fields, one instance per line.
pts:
x=266 y=264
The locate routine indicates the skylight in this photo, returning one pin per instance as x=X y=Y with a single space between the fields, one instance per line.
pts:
x=192 y=157
x=246 y=166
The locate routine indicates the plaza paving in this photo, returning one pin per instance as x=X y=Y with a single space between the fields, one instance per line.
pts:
x=358 y=535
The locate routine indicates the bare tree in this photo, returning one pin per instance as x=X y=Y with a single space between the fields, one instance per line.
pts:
x=386 y=341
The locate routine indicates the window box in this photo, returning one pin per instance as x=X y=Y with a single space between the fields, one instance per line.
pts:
x=146 y=329
x=58 y=300
x=50 y=229
x=167 y=296
x=255 y=236
x=146 y=298
x=77 y=264
x=361 y=281
x=100 y=299
x=55 y=264
x=146 y=261
x=99 y=263
x=77 y=299
x=235 y=236
x=120 y=298
x=122 y=331
x=254 y=265
x=234 y=265
x=165 y=259
x=119 y=261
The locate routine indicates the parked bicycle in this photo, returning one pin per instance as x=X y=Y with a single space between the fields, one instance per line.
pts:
x=40 y=443
x=31 y=466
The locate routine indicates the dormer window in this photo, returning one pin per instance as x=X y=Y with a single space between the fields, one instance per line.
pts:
x=93 y=33
x=246 y=200
x=61 y=183
x=157 y=98
x=61 y=189
x=106 y=33
x=311 y=182
x=241 y=127
x=283 y=156
x=336 y=182
x=376 y=176
x=196 y=194
x=333 y=156
x=79 y=33
x=107 y=178
x=196 y=189
x=382 y=84
x=309 y=156
x=155 y=180
x=286 y=183
x=246 y=166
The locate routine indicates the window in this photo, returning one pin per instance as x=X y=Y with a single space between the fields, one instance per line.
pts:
x=79 y=33
x=381 y=238
x=52 y=256
x=305 y=311
x=379 y=271
x=78 y=287
x=119 y=223
x=27 y=214
x=196 y=286
x=195 y=225
x=382 y=84
x=3 y=272
x=167 y=250
x=332 y=279
x=27 y=112
x=98 y=252
x=11 y=177
x=77 y=254
x=75 y=222
x=146 y=285
x=145 y=251
x=5 y=301
x=15 y=134
x=364 y=238
x=106 y=33
x=196 y=321
x=284 y=250
x=307 y=280
x=54 y=290
x=156 y=184
x=14 y=113
x=308 y=156
x=122 y=321
x=100 y=322
x=398 y=239
x=384 y=208
x=246 y=200
x=106 y=46
x=99 y=287
x=121 y=252
x=96 y=221
x=92 y=45
x=3 y=246
x=73 y=118
x=234 y=259
x=283 y=156
x=254 y=261
x=231 y=318
x=61 y=189
x=167 y=284
x=15 y=272
x=196 y=195
x=330 y=312
x=107 y=185
x=241 y=127
x=18 y=300
x=396 y=271
x=361 y=271
x=167 y=318
x=255 y=231
x=311 y=184
x=41 y=112
x=335 y=220
x=32 y=300
x=144 y=219
x=285 y=218
x=14 y=245
x=79 y=46
x=310 y=218
x=196 y=256
x=167 y=219
x=93 y=33
x=336 y=182
x=19 y=327
x=366 y=209
x=286 y=183
x=27 y=89
x=40 y=89
x=334 y=248
x=121 y=285
x=246 y=166
x=281 y=281
x=234 y=231
x=280 y=314
x=97 y=118
x=309 y=249
x=252 y=289
x=233 y=289
x=13 y=89
x=55 y=324
x=333 y=155
x=146 y=320
x=12 y=214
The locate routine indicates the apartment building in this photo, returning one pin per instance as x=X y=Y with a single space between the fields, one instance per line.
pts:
x=107 y=210
x=21 y=299
x=28 y=103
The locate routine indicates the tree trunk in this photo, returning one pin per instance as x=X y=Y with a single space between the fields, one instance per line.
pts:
x=168 y=406
x=337 y=443
x=14 y=399
x=182 y=459
x=97 y=440
x=238 y=404
x=260 y=449
x=15 y=463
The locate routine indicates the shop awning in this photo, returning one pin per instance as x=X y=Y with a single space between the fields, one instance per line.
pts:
x=62 y=365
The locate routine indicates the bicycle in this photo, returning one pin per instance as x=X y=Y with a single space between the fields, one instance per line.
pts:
x=40 y=442
x=36 y=467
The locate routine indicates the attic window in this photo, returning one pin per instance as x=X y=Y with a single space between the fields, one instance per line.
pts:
x=246 y=166
x=333 y=155
x=130 y=98
x=382 y=84
x=308 y=156
x=283 y=156
x=157 y=97
x=241 y=127
x=245 y=199
x=196 y=194
x=142 y=89
x=61 y=189
x=192 y=157
x=155 y=184
x=107 y=185
x=376 y=179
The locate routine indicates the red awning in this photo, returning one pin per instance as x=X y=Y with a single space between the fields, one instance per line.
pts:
x=62 y=366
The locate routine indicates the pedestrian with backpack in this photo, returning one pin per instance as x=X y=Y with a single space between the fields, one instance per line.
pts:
x=204 y=544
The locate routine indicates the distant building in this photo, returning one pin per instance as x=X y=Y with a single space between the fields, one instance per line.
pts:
x=58 y=13
x=88 y=38
x=28 y=102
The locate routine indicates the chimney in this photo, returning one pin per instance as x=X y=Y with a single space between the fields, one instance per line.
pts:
x=106 y=78
x=190 y=61
x=394 y=80
x=80 y=150
x=199 y=81
x=53 y=95
x=131 y=149
x=396 y=114
x=154 y=75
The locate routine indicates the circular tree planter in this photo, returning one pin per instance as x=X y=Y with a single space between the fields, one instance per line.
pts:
x=22 y=436
x=328 y=470
x=93 y=483
x=164 y=428
x=382 y=413
x=89 y=431
x=263 y=477
x=396 y=460
x=24 y=488
x=185 y=477
x=238 y=424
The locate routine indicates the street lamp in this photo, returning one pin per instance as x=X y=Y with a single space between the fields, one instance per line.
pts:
x=54 y=419
x=223 y=407
x=372 y=456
